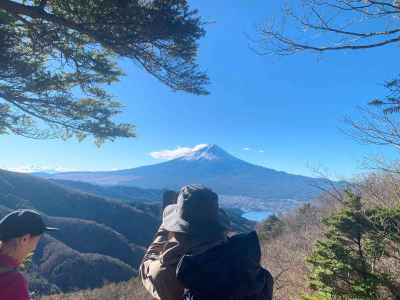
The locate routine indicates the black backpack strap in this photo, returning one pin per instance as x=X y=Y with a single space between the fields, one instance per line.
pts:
x=267 y=292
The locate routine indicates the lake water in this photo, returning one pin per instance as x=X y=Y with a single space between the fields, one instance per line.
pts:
x=257 y=216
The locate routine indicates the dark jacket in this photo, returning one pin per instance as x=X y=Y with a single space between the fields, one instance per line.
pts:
x=229 y=271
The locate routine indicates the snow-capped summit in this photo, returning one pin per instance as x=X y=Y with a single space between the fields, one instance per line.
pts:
x=214 y=167
x=207 y=152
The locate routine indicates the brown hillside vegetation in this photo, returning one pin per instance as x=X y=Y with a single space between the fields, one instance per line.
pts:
x=131 y=290
x=285 y=253
x=286 y=243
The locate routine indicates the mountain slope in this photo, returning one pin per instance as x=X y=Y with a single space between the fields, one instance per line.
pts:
x=57 y=266
x=118 y=192
x=90 y=237
x=21 y=190
x=70 y=270
x=213 y=167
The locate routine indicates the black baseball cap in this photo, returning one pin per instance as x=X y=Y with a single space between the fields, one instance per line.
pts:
x=21 y=222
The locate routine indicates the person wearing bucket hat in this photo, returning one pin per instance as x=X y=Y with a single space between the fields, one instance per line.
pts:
x=20 y=232
x=192 y=225
x=196 y=213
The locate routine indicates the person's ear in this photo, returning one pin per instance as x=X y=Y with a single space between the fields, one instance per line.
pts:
x=24 y=239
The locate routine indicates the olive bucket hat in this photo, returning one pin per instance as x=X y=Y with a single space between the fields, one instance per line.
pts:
x=196 y=213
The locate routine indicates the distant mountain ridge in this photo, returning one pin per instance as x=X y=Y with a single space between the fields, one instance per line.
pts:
x=118 y=192
x=214 y=167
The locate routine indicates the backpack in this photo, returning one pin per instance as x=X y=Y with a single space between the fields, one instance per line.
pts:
x=229 y=271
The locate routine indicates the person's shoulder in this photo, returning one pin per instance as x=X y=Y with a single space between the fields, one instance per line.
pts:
x=13 y=285
x=20 y=284
x=18 y=279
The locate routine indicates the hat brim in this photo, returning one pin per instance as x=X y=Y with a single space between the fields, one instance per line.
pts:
x=49 y=229
x=173 y=222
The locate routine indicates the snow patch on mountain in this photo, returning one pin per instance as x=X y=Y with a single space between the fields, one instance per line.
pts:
x=207 y=152
x=178 y=152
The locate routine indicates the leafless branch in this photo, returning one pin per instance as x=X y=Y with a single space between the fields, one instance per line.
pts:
x=341 y=27
x=375 y=127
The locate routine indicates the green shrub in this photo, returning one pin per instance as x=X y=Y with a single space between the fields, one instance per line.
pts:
x=271 y=227
x=357 y=256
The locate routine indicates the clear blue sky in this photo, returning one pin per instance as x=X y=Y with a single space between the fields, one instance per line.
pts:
x=288 y=110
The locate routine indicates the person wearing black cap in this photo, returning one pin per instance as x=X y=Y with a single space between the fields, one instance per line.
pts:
x=20 y=232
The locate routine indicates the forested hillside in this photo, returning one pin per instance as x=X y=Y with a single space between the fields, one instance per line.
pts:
x=99 y=240
x=21 y=190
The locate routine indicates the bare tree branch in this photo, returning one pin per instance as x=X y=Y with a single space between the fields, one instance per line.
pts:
x=339 y=28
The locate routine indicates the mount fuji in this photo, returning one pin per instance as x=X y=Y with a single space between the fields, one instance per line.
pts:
x=214 y=167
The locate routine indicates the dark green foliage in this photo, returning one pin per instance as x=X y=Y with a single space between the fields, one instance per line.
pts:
x=57 y=56
x=271 y=227
x=356 y=257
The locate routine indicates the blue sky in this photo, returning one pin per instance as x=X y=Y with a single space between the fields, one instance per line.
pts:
x=287 y=111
